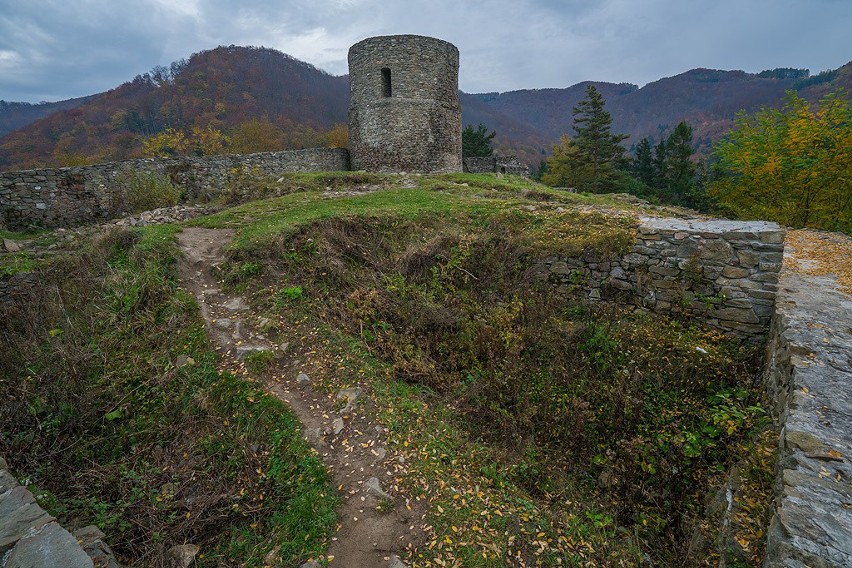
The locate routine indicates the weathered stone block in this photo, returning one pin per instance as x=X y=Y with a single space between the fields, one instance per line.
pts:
x=664 y=271
x=772 y=237
x=560 y=267
x=620 y=284
x=50 y=546
x=739 y=315
x=748 y=258
x=735 y=272
x=765 y=277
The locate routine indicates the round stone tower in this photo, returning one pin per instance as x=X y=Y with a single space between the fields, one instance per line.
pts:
x=404 y=112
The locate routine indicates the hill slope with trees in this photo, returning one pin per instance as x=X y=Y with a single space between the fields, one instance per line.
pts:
x=259 y=94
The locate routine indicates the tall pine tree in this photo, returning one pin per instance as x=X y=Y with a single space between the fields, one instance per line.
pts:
x=643 y=163
x=477 y=143
x=679 y=166
x=591 y=160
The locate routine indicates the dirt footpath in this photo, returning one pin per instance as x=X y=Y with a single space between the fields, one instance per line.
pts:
x=375 y=527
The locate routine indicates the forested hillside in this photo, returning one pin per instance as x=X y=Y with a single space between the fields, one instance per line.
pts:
x=222 y=88
x=530 y=121
x=263 y=99
x=16 y=115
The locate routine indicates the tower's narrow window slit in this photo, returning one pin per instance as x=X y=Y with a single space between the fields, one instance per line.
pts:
x=386 y=82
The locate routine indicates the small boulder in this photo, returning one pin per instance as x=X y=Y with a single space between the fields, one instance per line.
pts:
x=349 y=396
x=183 y=555
x=373 y=487
x=11 y=246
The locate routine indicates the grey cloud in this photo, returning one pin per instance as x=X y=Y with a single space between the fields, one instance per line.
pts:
x=58 y=49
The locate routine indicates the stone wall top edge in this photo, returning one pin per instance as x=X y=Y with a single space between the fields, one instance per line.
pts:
x=72 y=169
x=409 y=38
x=720 y=226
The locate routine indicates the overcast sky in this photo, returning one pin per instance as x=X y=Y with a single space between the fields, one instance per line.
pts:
x=56 y=49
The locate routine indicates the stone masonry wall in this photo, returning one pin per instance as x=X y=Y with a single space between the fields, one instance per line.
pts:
x=808 y=375
x=496 y=164
x=65 y=197
x=29 y=537
x=404 y=112
x=724 y=273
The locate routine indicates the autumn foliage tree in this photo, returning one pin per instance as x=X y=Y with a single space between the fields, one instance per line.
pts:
x=792 y=165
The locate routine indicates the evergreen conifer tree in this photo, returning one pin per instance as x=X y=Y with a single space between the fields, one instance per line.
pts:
x=590 y=161
x=601 y=149
x=477 y=143
x=679 y=167
x=643 y=163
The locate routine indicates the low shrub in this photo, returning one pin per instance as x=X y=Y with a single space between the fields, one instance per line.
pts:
x=148 y=190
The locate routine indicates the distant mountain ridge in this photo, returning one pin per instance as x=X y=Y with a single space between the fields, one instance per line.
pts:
x=707 y=99
x=15 y=115
x=226 y=86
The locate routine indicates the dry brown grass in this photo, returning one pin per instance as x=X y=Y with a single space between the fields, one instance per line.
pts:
x=819 y=253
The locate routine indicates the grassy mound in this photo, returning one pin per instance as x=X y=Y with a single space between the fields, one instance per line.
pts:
x=541 y=429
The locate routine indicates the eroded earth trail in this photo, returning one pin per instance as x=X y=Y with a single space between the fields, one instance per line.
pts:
x=375 y=527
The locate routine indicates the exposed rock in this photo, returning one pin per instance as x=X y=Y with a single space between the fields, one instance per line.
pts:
x=11 y=246
x=91 y=540
x=303 y=379
x=337 y=426
x=244 y=350
x=50 y=545
x=395 y=562
x=313 y=435
x=349 y=396
x=236 y=304
x=183 y=555
x=374 y=488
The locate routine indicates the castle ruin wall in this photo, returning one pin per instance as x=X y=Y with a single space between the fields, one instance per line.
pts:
x=722 y=273
x=66 y=197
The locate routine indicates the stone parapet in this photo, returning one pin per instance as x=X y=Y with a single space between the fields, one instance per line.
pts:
x=723 y=273
x=808 y=376
x=30 y=537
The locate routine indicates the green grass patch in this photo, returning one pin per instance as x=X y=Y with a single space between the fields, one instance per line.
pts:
x=16 y=262
x=99 y=417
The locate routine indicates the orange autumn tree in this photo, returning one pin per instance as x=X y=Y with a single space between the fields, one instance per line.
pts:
x=791 y=165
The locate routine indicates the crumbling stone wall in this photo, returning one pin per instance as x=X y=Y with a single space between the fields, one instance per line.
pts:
x=404 y=111
x=724 y=273
x=808 y=375
x=65 y=197
x=30 y=537
x=496 y=164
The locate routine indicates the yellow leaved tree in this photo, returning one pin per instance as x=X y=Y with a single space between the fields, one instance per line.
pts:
x=791 y=165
